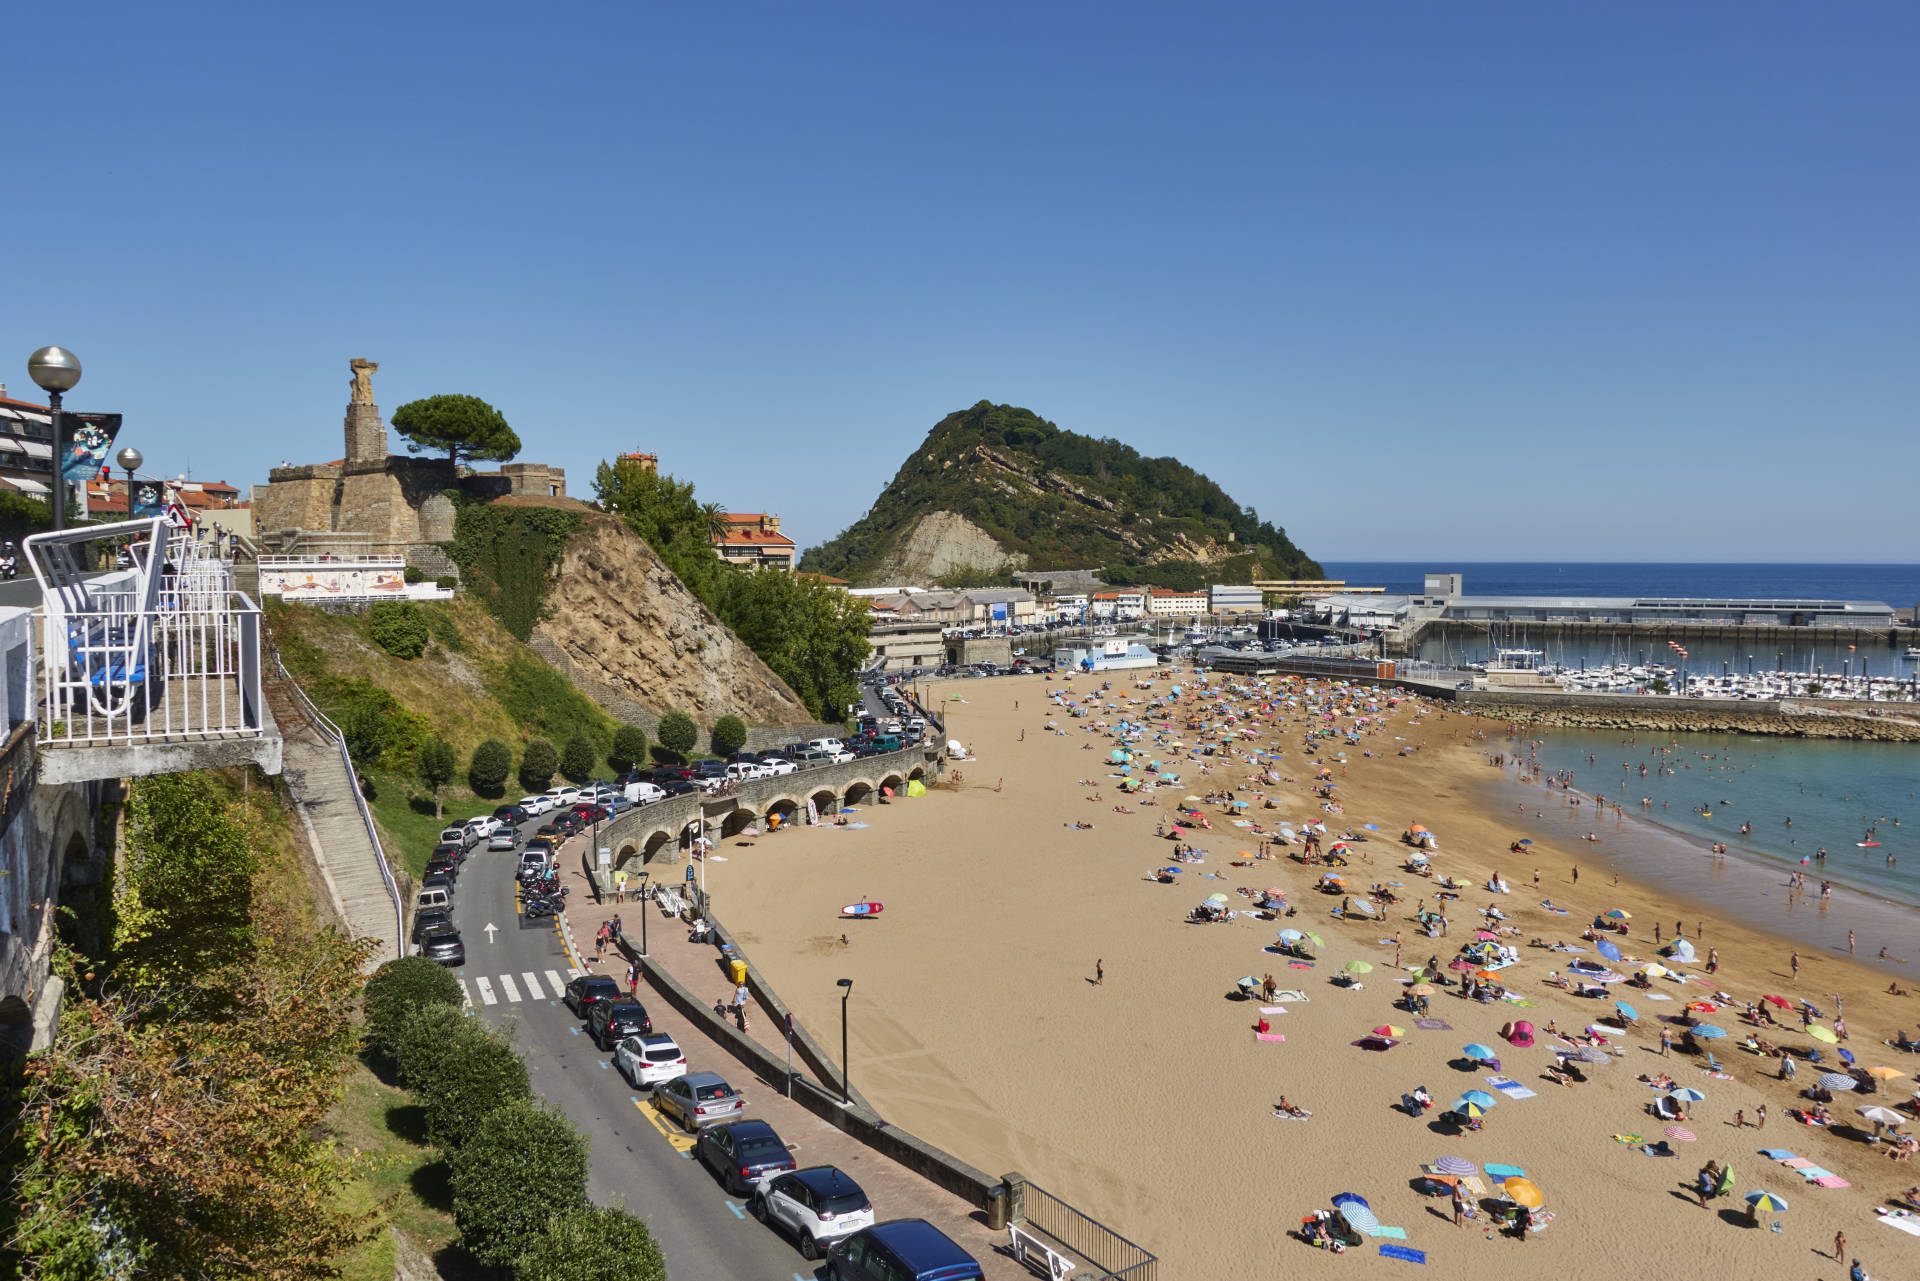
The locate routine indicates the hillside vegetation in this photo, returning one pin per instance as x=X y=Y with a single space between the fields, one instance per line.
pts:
x=994 y=488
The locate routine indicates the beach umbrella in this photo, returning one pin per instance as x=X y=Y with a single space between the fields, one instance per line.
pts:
x=1274 y=891
x=1846 y=1056
x=1477 y=1051
x=1315 y=939
x=1823 y=1034
x=1780 y=1001
x=1882 y=1116
x=1686 y=1094
x=1679 y=1132
x=1884 y=1073
x=1485 y=937
x=1626 y=1009
x=1652 y=971
x=1481 y=1097
x=1174 y=870
x=1838 y=1081
x=1291 y=936
x=1527 y=841
x=1358 y=967
x=1361 y=906
x=1359 y=1215
x=1371 y=827
x=1216 y=898
x=1388 y=1029
x=1523 y=1192
x=1593 y=1054
x=1456 y=1165
x=1426 y=989
x=1766 y=1202
x=1470 y=1110
x=1609 y=951
x=1703 y=1007
x=1619 y=914
x=1708 y=1032
x=1344 y=1199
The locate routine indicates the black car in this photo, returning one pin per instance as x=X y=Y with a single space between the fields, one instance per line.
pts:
x=589 y=990
x=511 y=814
x=436 y=866
x=743 y=1153
x=448 y=850
x=610 y=1022
x=744 y=758
x=442 y=944
x=710 y=769
x=432 y=918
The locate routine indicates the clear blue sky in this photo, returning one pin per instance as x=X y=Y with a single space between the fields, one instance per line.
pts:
x=1488 y=282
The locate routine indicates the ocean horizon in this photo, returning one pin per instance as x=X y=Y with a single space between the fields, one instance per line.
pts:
x=1895 y=584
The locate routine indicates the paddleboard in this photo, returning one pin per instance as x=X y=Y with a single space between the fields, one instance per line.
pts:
x=863 y=909
x=1868 y=845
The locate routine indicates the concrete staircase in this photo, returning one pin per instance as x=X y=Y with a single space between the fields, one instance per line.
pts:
x=326 y=797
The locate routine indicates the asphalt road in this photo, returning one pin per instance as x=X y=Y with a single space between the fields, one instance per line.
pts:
x=638 y=1159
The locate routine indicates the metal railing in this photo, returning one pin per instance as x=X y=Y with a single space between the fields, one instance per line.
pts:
x=1037 y=1210
x=337 y=560
x=319 y=720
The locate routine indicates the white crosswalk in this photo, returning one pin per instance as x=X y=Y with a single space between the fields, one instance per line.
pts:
x=511 y=990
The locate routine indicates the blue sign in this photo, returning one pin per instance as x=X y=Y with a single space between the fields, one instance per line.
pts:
x=689 y=873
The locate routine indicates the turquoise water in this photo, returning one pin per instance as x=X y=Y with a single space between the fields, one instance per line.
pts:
x=1833 y=792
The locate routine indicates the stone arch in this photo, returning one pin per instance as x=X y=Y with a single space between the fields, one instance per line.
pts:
x=785 y=806
x=657 y=842
x=858 y=790
x=917 y=773
x=624 y=852
x=826 y=800
x=895 y=781
x=735 y=821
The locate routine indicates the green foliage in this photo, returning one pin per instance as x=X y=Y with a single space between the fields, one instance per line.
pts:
x=577 y=759
x=184 y=890
x=1134 y=508
x=440 y=622
x=629 y=749
x=1660 y=686
x=966 y=576
x=467 y=427
x=813 y=635
x=729 y=735
x=21 y=515
x=522 y=1166
x=470 y=1072
x=592 y=1245
x=413 y=1041
x=678 y=733
x=508 y=556
x=537 y=765
x=446 y=582
x=543 y=701
x=379 y=731
x=364 y=726
x=398 y=991
x=487 y=772
x=414 y=574
x=437 y=767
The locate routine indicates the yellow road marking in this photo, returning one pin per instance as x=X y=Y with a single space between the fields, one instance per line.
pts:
x=668 y=1130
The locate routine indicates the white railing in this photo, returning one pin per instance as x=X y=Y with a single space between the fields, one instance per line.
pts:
x=336 y=560
x=325 y=726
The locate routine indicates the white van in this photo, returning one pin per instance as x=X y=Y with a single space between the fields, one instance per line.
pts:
x=832 y=745
x=644 y=793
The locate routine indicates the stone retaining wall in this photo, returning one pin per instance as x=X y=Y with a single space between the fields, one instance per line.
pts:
x=1802 y=718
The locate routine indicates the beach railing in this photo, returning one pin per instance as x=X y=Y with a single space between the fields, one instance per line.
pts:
x=1039 y=1212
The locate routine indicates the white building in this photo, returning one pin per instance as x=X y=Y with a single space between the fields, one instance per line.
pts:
x=1234 y=598
x=1164 y=602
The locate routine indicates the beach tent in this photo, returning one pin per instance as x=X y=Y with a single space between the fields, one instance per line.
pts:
x=1680 y=950
x=1519 y=1032
x=916 y=788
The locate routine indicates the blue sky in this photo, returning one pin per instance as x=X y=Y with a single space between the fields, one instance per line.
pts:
x=1489 y=282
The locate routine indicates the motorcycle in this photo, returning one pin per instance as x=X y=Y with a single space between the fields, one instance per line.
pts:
x=9 y=568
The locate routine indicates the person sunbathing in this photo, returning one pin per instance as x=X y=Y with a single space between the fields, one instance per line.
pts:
x=1894 y=989
x=1559 y=1075
x=1285 y=1108
x=1659 y=1080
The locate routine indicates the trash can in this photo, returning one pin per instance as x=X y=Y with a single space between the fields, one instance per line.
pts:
x=737 y=970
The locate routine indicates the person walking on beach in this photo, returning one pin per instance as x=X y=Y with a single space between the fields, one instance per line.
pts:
x=1760 y=1117
x=1839 y=1245
x=1459 y=1207
x=1576 y=875
x=1849 y=942
x=1795 y=964
x=1666 y=1042
x=1713 y=960
x=1099 y=971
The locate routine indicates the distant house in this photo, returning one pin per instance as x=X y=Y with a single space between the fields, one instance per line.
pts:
x=26 y=447
x=1164 y=602
x=754 y=539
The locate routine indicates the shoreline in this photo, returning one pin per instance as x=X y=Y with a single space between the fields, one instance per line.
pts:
x=976 y=1022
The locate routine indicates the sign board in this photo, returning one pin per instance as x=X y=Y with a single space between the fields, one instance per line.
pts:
x=177 y=517
x=323 y=580
x=689 y=873
x=89 y=437
x=1115 y=649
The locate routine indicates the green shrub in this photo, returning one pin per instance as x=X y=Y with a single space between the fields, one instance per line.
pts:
x=576 y=760
x=414 y=574
x=523 y=1165
x=397 y=627
x=446 y=582
x=678 y=733
x=366 y=728
x=437 y=766
x=487 y=773
x=413 y=1040
x=629 y=748
x=729 y=735
x=544 y=702
x=399 y=990
x=508 y=556
x=591 y=1245
x=537 y=765
x=474 y=1072
x=440 y=622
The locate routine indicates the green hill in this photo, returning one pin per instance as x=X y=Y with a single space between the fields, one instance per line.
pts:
x=995 y=488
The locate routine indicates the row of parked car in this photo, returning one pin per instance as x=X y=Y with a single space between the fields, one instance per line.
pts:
x=820 y=1208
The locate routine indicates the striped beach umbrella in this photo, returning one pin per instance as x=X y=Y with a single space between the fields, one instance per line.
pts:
x=1472 y=1111
x=1593 y=1054
x=1838 y=1081
x=1766 y=1202
x=1456 y=1165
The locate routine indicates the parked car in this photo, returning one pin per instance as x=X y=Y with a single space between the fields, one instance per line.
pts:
x=901 y=1250
x=563 y=793
x=610 y=1022
x=744 y=758
x=741 y=771
x=589 y=990
x=743 y=1154
x=505 y=839
x=813 y=756
x=708 y=769
x=424 y=921
x=535 y=858
x=511 y=814
x=442 y=944
x=440 y=867
x=815 y=1205
x=826 y=744
x=641 y=792
x=438 y=879
x=620 y=805
x=448 y=849
x=776 y=765
x=478 y=829
x=535 y=806
x=648 y=1060
x=697 y=1099
x=455 y=836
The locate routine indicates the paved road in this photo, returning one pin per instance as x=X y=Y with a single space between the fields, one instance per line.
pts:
x=637 y=1159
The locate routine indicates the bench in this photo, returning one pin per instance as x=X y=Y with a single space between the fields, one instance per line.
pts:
x=1040 y=1256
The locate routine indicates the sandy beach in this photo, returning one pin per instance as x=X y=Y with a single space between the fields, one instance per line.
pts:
x=1147 y=1100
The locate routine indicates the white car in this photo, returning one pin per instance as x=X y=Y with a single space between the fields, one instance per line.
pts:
x=776 y=765
x=827 y=744
x=815 y=1206
x=564 y=795
x=741 y=771
x=643 y=1060
x=479 y=829
x=536 y=805
x=646 y=793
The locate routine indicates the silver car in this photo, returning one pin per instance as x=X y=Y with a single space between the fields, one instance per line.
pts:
x=697 y=1099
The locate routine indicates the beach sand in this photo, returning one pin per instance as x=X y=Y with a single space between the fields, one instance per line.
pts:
x=1146 y=1100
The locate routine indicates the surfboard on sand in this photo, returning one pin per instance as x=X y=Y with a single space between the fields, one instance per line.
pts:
x=863 y=909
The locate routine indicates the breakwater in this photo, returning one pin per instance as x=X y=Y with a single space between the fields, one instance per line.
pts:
x=1794 y=718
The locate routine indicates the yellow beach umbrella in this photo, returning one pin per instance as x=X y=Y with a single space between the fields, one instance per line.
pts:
x=1653 y=971
x=1884 y=1073
x=1523 y=1192
x=1824 y=1034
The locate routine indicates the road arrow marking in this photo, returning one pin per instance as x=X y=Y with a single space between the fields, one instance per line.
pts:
x=491 y=927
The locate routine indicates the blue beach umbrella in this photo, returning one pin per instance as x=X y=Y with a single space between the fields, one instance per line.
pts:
x=1708 y=1032
x=1609 y=951
x=1626 y=1009
x=1173 y=870
x=1477 y=1051
x=1481 y=1097
x=1291 y=936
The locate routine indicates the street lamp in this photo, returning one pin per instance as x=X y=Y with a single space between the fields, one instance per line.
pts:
x=130 y=460
x=645 y=877
x=56 y=370
x=846 y=1083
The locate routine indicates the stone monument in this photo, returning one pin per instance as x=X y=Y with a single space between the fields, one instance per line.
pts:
x=366 y=434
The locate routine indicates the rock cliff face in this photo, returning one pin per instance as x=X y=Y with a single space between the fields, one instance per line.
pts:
x=620 y=618
x=940 y=543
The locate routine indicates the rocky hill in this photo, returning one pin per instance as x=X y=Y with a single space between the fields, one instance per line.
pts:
x=994 y=488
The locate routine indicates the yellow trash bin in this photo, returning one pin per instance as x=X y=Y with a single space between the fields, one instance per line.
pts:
x=738 y=970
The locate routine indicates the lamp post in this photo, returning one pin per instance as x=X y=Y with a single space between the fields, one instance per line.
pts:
x=846 y=1082
x=645 y=878
x=57 y=371
x=130 y=459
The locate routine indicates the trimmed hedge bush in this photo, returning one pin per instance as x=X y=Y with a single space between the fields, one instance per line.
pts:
x=577 y=760
x=487 y=774
x=629 y=749
x=472 y=1071
x=401 y=989
x=592 y=1245
x=523 y=1165
x=537 y=765
x=678 y=733
x=729 y=735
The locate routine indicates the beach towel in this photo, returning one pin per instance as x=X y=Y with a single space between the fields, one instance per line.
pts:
x=1796 y=1163
x=1412 y=1255
x=1656 y=996
x=1299 y=965
x=1832 y=1181
x=1512 y=1089
x=1273 y=1009
x=1909 y=1226
x=1777 y=1154
x=1269 y=1036
x=1718 y=1076
x=1626 y=1138
x=1433 y=1025
x=1291 y=996
x=1504 y=1171
x=1391 y=1234
x=1475 y=1188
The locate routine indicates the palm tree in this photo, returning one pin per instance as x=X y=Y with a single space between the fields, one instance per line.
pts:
x=716 y=517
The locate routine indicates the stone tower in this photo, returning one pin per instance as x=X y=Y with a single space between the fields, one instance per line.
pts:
x=366 y=434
